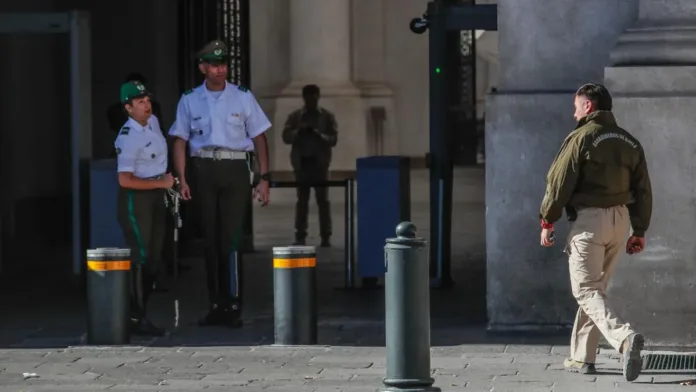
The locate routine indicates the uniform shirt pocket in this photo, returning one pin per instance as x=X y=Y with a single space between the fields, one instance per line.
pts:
x=236 y=126
x=200 y=127
x=151 y=151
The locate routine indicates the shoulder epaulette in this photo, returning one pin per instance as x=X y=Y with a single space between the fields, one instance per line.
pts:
x=189 y=91
x=243 y=88
x=125 y=130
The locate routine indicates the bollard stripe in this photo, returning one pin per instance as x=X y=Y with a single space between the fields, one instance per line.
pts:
x=295 y=263
x=115 y=265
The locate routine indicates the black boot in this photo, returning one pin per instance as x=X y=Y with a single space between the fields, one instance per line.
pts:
x=215 y=316
x=144 y=285
x=233 y=315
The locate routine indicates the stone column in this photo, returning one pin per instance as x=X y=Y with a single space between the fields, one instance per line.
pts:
x=321 y=53
x=370 y=75
x=320 y=46
x=665 y=34
x=653 y=83
x=545 y=55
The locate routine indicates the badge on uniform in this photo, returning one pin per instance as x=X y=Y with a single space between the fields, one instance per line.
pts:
x=125 y=130
x=153 y=155
x=118 y=151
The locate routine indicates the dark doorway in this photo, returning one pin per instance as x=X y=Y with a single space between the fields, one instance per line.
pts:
x=35 y=158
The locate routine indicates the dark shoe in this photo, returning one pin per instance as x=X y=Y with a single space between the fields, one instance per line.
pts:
x=632 y=362
x=574 y=366
x=299 y=243
x=325 y=243
x=215 y=316
x=233 y=318
x=144 y=327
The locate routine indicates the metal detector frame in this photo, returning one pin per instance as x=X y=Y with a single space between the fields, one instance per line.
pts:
x=76 y=24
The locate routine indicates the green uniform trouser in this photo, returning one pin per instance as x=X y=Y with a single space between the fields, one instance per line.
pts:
x=142 y=216
x=222 y=190
x=309 y=173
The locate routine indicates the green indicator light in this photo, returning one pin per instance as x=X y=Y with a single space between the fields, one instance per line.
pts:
x=438 y=70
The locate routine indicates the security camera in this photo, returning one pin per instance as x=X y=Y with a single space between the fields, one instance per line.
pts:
x=418 y=25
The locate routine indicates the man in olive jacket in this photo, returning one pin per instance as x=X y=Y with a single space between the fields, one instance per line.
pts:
x=600 y=177
x=312 y=132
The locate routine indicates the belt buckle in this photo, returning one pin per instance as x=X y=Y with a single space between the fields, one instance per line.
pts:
x=217 y=155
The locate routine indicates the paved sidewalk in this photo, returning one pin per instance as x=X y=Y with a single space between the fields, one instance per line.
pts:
x=473 y=367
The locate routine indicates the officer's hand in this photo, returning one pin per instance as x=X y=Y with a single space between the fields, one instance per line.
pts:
x=262 y=192
x=184 y=191
x=635 y=245
x=167 y=181
x=547 y=238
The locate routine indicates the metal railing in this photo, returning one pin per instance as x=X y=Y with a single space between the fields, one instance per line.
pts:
x=349 y=219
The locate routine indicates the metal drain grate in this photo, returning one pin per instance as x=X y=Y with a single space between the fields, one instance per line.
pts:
x=669 y=362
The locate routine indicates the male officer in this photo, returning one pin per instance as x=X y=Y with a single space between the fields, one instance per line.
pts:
x=222 y=124
x=600 y=177
x=312 y=132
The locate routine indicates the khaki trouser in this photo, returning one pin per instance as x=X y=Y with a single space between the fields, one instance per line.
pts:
x=596 y=239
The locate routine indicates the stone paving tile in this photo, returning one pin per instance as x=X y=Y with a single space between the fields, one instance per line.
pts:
x=304 y=369
x=527 y=349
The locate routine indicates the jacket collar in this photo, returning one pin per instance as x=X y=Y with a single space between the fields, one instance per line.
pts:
x=600 y=117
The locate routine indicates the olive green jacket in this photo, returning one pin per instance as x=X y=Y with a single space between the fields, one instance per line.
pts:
x=599 y=165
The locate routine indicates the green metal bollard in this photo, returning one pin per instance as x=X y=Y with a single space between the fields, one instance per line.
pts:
x=108 y=296
x=407 y=290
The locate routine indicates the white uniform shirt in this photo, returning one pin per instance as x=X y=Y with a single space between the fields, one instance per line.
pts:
x=141 y=150
x=229 y=121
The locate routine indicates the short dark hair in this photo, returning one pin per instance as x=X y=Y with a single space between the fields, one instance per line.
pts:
x=310 y=89
x=597 y=94
x=136 y=76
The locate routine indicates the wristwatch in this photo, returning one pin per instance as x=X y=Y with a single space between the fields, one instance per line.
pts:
x=266 y=176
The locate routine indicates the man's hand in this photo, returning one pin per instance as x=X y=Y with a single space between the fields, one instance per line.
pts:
x=546 y=240
x=635 y=245
x=261 y=192
x=184 y=191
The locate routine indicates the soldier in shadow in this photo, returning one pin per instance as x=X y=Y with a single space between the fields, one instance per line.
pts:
x=312 y=133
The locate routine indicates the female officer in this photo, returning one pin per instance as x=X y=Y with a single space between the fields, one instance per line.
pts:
x=142 y=162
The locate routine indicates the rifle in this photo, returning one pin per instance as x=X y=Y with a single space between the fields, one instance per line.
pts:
x=175 y=196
